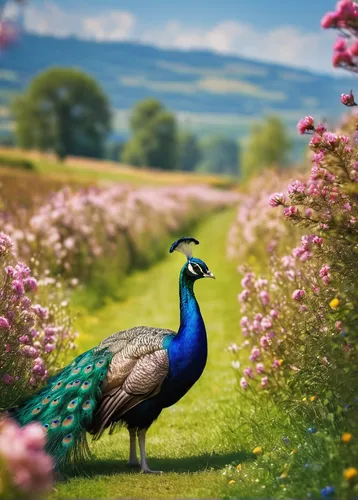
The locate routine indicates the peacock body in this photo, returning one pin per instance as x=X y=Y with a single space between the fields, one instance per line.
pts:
x=126 y=380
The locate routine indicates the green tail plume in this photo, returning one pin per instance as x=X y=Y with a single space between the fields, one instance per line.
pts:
x=65 y=407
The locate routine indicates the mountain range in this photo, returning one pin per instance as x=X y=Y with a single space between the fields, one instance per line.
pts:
x=209 y=92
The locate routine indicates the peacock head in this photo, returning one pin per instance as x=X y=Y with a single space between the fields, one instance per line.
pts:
x=194 y=268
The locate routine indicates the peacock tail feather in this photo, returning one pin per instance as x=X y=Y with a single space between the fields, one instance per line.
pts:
x=66 y=406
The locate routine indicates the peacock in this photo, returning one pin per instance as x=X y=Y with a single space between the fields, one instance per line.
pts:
x=126 y=380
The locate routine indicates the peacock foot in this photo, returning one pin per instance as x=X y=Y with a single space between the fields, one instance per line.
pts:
x=147 y=470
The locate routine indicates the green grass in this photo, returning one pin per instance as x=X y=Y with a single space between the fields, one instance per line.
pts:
x=188 y=441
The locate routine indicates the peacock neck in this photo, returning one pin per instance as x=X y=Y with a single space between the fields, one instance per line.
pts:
x=191 y=321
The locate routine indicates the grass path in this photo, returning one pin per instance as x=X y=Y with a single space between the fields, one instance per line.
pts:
x=186 y=442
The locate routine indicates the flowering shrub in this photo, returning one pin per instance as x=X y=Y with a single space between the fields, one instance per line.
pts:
x=299 y=305
x=77 y=232
x=25 y=469
x=34 y=338
x=301 y=317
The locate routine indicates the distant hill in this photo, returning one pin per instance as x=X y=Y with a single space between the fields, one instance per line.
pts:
x=210 y=93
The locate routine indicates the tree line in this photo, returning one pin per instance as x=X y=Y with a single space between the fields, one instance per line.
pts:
x=66 y=111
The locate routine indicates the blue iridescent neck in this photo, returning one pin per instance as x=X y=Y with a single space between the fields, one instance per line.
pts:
x=191 y=321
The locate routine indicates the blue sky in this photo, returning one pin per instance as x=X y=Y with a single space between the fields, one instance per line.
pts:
x=276 y=30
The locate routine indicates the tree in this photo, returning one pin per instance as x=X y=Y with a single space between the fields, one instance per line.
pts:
x=219 y=155
x=153 y=142
x=63 y=110
x=189 y=153
x=268 y=146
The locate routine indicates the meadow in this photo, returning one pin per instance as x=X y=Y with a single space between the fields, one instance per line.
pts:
x=84 y=253
x=267 y=432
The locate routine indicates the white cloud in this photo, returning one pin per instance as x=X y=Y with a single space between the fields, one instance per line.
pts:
x=50 y=19
x=284 y=44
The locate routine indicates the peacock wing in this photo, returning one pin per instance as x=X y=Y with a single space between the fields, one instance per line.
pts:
x=129 y=346
x=143 y=381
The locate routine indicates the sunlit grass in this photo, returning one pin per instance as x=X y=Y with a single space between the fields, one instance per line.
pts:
x=85 y=170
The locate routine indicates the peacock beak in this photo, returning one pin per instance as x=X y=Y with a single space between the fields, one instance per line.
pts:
x=209 y=274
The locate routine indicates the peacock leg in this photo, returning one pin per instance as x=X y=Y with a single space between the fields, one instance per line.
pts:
x=143 y=461
x=133 y=460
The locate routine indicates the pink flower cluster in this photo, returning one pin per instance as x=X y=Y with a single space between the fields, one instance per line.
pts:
x=26 y=470
x=29 y=331
x=77 y=228
x=291 y=307
x=344 y=19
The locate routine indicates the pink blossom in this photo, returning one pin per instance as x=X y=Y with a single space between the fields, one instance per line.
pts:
x=29 y=351
x=4 y=324
x=339 y=325
x=266 y=323
x=264 y=298
x=243 y=296
x=42 y=312
x=274 y=313
x=255 y=354
x=264 y=342
x=264 y=382
x=325 y=270
x=260 y=368
x=318 y=157
x=320 y=129
x=353 y=175
x=296 y=187
x=276 y=364
x=330 y=138
x=277 y=199
x=298 y=294
x=290 y=211
x=50 y=347
x=347 y=206
x=340 y=44
x=317 y=240
x=244 y=322
x=24 y=339
x=329 y=20
x=243 y=383
x=247 y=280
x=342 y=58
x=348 y=99
x=248 y=372
x=30 y=284
x=308 y=213
x=18 y=287
x=305 y=125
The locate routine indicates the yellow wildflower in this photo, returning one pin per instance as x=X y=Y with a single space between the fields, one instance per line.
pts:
x=239 y=467
x=232 y=481
x=304 y=399
x=312 y=398
x=257 y=450
x=334 y=303
x=293 y=451
x=346 y=437
x=350 y=473
x=284 y=475
x=281 y=362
